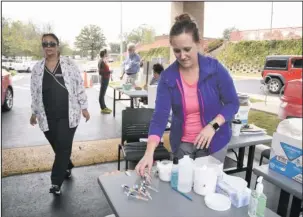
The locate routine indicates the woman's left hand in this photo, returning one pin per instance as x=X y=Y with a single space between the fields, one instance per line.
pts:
x=205 y=136
x=85 y=114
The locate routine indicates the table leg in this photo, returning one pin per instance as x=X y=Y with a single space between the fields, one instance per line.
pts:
x=241 y=158
x=283 y=203
x=132 y=102
x=250 y=164
x=295 y=207
x=114 y=105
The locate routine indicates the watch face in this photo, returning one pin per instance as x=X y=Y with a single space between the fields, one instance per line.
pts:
x=216 y=126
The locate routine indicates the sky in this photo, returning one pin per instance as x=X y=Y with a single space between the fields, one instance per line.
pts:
x=68 y=18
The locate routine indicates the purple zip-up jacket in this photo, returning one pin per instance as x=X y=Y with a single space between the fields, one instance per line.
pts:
x=216 y=95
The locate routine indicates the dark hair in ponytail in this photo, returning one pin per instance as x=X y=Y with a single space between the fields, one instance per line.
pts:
x=184 y=24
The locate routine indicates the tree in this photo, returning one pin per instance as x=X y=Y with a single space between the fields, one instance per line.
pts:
x=228 y=31
x=91 y=39
x=143 y=34
x=114 y=47
x=65 y=49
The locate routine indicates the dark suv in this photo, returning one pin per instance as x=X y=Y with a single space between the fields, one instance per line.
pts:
x=280 y=69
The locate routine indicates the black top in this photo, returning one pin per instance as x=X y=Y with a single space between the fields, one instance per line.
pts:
x=54 y=93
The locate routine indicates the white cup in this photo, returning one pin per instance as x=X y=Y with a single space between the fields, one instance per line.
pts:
x=236 y=127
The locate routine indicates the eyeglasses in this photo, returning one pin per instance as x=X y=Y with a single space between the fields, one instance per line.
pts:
x=49 y=44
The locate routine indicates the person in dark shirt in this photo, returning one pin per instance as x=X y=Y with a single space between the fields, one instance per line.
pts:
x=58 y=99
x=157 y=69
x=105 y=74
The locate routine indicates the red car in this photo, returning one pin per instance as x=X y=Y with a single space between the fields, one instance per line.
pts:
x=291 y=101
x=7 y=91
x=280 y=69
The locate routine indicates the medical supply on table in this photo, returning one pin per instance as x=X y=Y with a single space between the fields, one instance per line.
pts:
x=183 y=194
x=164 y=168
x=140 y=189
x=205 y=180
x=218 y=202
x=185 y=176
x=257 y=204
x=235 y=188
x=174 y=173
x=210 y=162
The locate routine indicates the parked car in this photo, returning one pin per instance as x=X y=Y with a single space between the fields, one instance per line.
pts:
x=91 y=67
x=23 y=66
x=291 y=100
x=7 y=91
x=7 y=63
x=279 y=70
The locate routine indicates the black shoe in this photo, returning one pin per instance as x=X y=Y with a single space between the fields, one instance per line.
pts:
x=68 y=173
x=55 y=189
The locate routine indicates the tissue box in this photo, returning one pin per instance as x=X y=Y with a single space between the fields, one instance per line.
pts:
x=286 y=156
x=238 y=199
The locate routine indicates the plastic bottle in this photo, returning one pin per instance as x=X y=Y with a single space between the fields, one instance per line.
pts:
x=257 y=202
x=174 y=173
x=185 y=177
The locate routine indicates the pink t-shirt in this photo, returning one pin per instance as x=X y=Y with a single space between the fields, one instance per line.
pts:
x=193 y=124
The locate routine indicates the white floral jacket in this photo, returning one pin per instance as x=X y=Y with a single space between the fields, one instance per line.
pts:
x=74 y=85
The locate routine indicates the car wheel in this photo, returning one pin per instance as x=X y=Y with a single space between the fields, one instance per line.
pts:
x=9 y=100
x=274 y=85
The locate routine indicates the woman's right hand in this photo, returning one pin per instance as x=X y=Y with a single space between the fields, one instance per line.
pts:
x=33 y=120
x=145 y=162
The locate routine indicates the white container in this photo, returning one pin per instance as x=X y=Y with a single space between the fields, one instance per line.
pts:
x=164 y=169
x=210 y=162
x=243 y=113
x=205 y=180
x=185 y=178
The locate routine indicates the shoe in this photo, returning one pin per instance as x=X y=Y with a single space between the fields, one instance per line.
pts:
x=68 y=174
x=55 y=189
x=106 y=111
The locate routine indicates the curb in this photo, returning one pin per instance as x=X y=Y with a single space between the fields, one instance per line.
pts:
x=260 y=110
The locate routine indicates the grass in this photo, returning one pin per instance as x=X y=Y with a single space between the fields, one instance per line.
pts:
x=13 y=72
x=264 y=120
x=253 y=100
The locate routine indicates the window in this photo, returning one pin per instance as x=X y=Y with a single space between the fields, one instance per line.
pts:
x=282 y=64
x=297 y=63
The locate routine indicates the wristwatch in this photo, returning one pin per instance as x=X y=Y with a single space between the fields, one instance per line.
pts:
x=215 y=125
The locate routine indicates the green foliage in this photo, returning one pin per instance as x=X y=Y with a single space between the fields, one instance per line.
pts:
x=227 y=32
x=155 y=52
x=24 y=39
x=214 y=45
x=90 y=40
x=255 y=52
x=114 y=47
x=143 y=34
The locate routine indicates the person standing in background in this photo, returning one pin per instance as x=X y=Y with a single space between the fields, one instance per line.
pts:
x=131 y=66
x=105 y=74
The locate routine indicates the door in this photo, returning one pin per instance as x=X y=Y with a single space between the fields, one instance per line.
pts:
x=296 y=68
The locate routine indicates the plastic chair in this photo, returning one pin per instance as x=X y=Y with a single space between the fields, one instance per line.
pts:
x=135 y=125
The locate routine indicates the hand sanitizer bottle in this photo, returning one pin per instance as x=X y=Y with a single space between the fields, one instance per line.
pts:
x=257 y=202
x=174 y=173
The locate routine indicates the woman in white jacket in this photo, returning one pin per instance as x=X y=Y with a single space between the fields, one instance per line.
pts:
x=58 y=98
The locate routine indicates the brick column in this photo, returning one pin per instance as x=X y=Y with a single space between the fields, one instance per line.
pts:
x=195 y=9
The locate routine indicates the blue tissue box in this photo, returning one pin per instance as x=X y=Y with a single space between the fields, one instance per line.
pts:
x=286 y=156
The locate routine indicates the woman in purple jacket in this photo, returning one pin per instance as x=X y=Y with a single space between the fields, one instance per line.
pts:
x=201 y=94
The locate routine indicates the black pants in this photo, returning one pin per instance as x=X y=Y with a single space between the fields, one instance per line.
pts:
x=103 y=88
x=60 y=136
